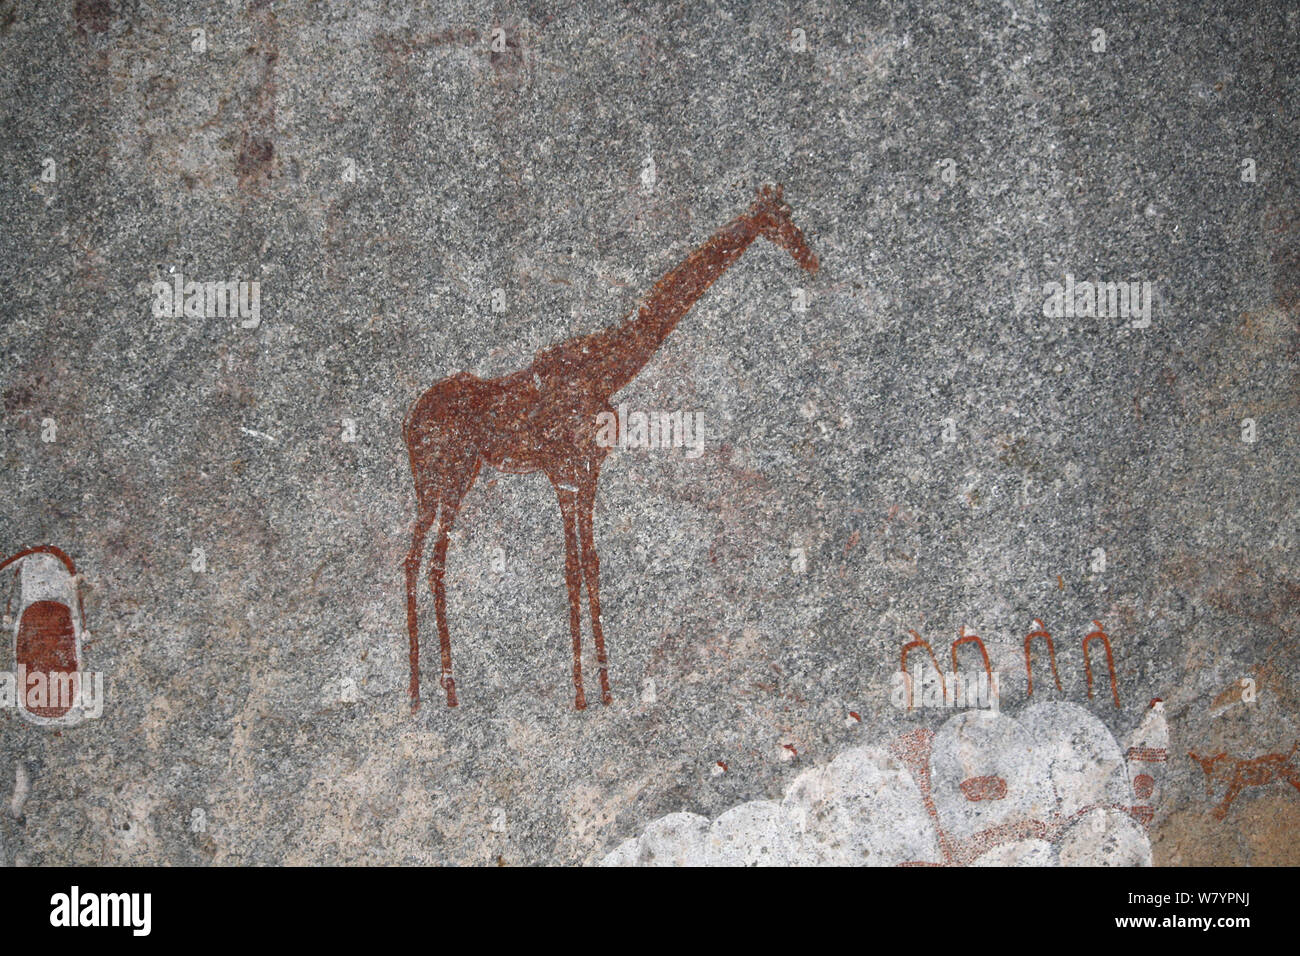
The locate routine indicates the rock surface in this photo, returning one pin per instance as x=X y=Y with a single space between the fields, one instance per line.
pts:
x=908 y=440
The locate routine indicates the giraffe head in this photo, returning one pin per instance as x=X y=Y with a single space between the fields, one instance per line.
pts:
x=771 y=216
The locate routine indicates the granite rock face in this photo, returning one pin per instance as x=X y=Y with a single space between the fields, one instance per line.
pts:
x=1044 y=380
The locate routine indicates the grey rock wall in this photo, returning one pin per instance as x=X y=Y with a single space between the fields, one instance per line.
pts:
x=381 y=170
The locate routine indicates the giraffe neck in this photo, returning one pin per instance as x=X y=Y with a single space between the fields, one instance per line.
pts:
x=621 y=352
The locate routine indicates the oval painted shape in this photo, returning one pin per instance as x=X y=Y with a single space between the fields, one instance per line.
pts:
x=47 y=645
x=984 y=788
x=1144 y=785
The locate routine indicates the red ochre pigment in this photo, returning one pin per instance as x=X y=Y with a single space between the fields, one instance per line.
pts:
x=47 y=644
x=1239 y=773
x=1144 y=785
x=984 y=788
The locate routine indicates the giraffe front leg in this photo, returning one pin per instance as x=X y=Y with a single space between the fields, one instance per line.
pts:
x=591 y=574
x=573 y=580
x=422 y=523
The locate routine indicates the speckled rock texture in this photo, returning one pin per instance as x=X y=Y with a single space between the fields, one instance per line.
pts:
x=939 y=431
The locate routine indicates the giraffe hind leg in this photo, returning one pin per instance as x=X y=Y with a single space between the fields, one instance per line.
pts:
x=437 y=572
x=450 y=497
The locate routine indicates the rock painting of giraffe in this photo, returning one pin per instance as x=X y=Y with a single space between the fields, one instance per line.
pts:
x=544 y=418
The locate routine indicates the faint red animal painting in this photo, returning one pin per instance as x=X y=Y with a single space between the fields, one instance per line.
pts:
x=1240 y=773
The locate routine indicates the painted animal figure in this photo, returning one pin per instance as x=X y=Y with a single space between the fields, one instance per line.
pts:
x=544 y=418
x=1239 y=774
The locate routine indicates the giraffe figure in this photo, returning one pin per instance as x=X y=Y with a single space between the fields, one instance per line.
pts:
x=544 y=418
